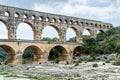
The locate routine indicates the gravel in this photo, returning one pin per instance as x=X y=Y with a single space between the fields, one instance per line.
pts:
x=84 y=71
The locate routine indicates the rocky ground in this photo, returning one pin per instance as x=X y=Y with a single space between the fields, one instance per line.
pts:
x=84 y=71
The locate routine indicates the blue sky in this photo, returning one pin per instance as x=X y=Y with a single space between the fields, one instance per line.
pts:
x=102 y=10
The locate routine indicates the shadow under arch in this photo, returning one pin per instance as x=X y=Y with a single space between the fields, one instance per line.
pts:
x=11 y=55
x=76 y=33
x=78 y=51
x=56 y=28
x=32 y=55
x=58 y=53
x=34 y=32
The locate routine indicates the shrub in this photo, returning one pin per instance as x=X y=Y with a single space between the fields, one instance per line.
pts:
x=67 y=62
x=118 y=63
x=76 y=64
x=25 y=61
x=6 y=62
x=95 y=65
x=118 y=58
x=90 y=59
x=56 y=60
x=103 y=63
x=107 y=61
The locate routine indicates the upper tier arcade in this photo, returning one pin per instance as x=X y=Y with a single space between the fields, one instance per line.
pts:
x=12 y=17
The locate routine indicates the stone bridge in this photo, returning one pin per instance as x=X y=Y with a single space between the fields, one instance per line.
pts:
x=12 y=17
x=41 y=50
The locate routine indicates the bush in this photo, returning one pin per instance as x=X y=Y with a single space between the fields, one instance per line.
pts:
x=95 y=65
x=118 y=58
x=107 y=61
x=76 y=64
x=118 y=63
x=25 y=61
x=67 y=62
x=56 y=60
x=6 y=62
x=91 y=59
x=103 y=63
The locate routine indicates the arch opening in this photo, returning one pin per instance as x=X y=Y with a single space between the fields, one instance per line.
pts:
x=25 y=16
x=58 y=54
x=7 y=13
x=33 y=17
x=16 y=15
x=7 y=54
x=3 y=30
x=32 y=55
x=86 y=32
x=51 y=33
x=78 y=52
x=71 y=35
x=25 y=31
x=100 y=32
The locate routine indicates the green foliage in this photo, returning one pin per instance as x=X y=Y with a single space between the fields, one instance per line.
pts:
x=53 y=54
x=41 y=78
x=56 y=60
x=27 y=56
x=50 y=39
x=103 y=63
x=91 y=58
x=107 y=61
x=24 y=61
x=73 y=39
x=6 y=62
x=95 y=65
x=105 y=43
x=3 y=55
x=76 y=63
x=118 y=58
x=89 y=45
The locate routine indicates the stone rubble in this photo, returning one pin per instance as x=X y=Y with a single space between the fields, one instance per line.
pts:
x=84 y=71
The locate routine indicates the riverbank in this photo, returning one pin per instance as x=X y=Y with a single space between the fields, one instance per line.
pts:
x=84 y=71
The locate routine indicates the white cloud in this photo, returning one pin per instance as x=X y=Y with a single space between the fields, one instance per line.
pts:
x=43 y=8
x=80 y=7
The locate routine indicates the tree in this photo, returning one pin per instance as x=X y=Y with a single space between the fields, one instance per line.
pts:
x=50 y=39
x=73 y=39
x=89 y=45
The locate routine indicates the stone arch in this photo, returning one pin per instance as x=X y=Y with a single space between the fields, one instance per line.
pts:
x=7 y=27
x=78 y=51
x=33 y=17
x=57 y=29
x=41 y=18
x=47 y=19
x=59 y=20
x=25 y=16
x=60 y=52
x=7 y=13
x=100 y=31
x=87 y=31
x=76 y=33
x=53 y=20
x=36 y=53
x=31 y=26
x=11 y=55
x=16 y=14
